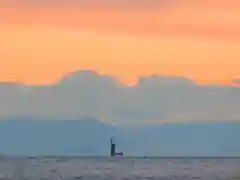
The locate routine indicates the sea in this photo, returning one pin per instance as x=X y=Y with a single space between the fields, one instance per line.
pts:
x=119 y=168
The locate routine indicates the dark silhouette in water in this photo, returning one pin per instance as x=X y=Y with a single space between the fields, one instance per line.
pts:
x=113 y=152
x=113 y=147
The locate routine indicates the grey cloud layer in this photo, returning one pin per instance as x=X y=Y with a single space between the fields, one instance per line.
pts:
x=153 y=99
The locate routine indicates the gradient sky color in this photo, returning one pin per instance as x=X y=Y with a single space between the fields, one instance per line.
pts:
x=41 y=42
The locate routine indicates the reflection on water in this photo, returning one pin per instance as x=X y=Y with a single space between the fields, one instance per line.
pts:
x=118 y=169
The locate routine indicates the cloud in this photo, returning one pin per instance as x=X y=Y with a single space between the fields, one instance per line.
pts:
x=122 y=4
x=236 y=82
x=153 y=99
x=176 y=18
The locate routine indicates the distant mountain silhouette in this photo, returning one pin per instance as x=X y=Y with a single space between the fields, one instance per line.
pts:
x=90 y=137
x=191 y=139
x=86 y=136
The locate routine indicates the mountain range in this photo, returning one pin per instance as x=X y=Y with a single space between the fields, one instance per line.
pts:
x=90 y=137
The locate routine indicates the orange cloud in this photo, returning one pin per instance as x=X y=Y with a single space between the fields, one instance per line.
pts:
x=193 y=21
x=120 y=4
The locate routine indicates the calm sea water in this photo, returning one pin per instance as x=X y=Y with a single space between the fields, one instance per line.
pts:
x=118 y=169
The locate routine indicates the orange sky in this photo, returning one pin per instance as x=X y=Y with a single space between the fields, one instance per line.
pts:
x=196 y=39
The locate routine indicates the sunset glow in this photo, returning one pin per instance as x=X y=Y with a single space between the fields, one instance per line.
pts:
x=199 y=40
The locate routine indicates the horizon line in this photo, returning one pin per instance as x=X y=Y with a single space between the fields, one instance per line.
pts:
x=108 y=157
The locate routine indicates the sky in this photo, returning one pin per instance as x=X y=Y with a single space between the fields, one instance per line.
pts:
x=121 y=61
x=43 y=40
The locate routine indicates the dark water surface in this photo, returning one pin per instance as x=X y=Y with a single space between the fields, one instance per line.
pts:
x=118 y=169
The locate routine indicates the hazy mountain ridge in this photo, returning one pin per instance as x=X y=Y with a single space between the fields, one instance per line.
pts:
x=52 y=137
x=89 y=137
